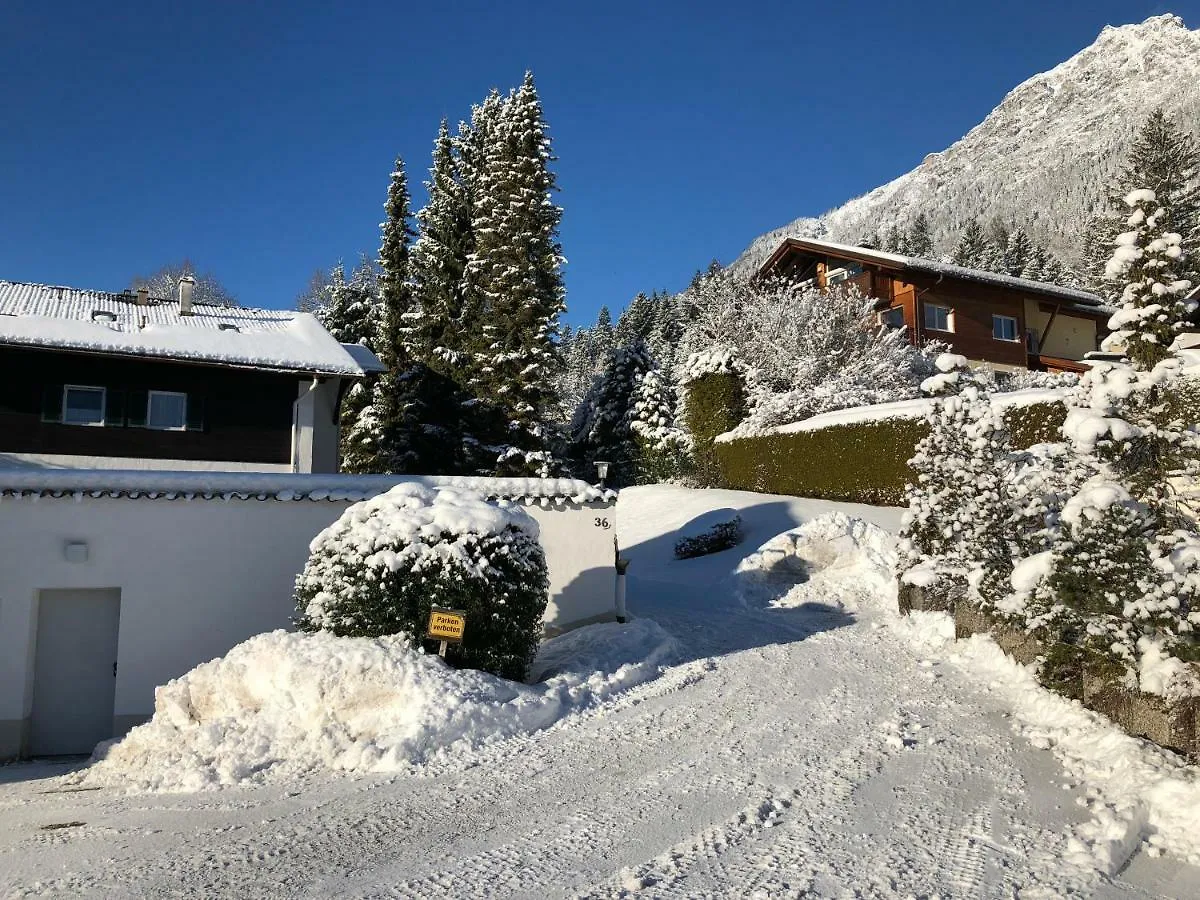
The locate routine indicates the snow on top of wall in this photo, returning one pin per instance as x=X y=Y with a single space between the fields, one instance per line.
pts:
x=901 y=409
x=156 y=485
x=39 y=315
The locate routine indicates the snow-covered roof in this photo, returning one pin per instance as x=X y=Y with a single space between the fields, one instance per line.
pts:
x=40 y=315
x=155 y=485
x=1082 y=300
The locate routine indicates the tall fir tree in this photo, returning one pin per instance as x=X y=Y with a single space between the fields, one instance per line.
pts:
x=381 y=438
x=514 y=279
x=439 y=258
x=920 y=240
x=972 y=247
x=1017 y=252
x=1166 y=160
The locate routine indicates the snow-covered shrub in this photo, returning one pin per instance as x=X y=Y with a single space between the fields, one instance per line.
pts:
x=379 y=569
x=959 y=505
x=721 y=536
x=803 y=350
x=1111 y=571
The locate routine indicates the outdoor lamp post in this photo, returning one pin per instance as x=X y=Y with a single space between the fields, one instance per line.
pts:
x=602 y=470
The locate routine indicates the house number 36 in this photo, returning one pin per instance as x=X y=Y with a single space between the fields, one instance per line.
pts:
x=602 y=523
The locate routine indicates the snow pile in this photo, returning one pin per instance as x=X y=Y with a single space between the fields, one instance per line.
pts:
x=283 y=704
x=833 y=559
x=1136 y=793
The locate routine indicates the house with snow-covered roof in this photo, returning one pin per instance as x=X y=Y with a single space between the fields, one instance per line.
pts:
x=1008 y=323
x=93 y=379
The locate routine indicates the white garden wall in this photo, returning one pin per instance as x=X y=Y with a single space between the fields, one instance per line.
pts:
x=197 y=576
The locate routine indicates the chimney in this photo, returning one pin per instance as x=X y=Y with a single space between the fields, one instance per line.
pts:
x=186 y=283
x=143 y=296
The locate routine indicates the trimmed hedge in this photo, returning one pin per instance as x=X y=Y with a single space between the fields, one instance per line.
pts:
x=714 y=404
x=866 y=462
x=1035 y=424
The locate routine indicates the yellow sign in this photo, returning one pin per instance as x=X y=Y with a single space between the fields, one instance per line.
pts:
x=446 y=625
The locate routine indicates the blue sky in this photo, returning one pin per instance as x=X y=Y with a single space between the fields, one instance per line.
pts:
x=257 y=139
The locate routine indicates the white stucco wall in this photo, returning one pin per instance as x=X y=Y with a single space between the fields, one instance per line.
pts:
x=1071 y=337
x=199 y=576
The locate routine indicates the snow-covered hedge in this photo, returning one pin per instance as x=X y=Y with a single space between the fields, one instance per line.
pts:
x=380 y=568
x=855 y=461
x=714 y=402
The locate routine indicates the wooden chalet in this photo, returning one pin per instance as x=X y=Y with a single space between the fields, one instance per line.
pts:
x=91 y=379
x=1008 y=323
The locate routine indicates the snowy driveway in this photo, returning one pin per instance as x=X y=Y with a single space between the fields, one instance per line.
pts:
x=793 y=751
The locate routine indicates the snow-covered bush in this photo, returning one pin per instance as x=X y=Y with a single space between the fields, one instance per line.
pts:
x=802 y=350
x=959 y=508
x=720 y=536
x=379 y=569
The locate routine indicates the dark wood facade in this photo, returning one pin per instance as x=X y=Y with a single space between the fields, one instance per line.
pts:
x=972 y=305
x=234 y=415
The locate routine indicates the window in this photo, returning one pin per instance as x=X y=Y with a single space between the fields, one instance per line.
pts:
x=166 y=410
x=83 y=405
x=939 y=318
x=892 y=318
x=1004 y=328
x=843 y=272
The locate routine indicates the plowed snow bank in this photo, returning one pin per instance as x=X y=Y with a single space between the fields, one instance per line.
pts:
x=281 y=704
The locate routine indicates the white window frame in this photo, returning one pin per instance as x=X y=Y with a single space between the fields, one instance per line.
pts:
x=150 y=395
x=67 y=388
x=949 y=329
x=1016 y=328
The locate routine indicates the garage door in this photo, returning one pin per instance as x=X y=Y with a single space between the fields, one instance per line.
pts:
x=74 y=670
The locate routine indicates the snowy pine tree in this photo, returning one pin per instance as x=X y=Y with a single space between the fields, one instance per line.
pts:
x=920 y=241
x=663 y=449
x=1166 y=160
x=439 y=258
x=605 y=430
x=1148 y=260
x=513 y=276
x=350 y=311
x=959 y=506
x=382 y=438
x=971 y=250
x=1018 y=251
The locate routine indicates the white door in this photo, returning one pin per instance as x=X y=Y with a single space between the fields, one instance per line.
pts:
x=75 y=667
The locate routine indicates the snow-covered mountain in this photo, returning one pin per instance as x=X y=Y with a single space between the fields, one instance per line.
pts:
x=1044 y=157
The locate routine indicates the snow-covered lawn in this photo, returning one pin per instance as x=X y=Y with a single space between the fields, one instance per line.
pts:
x=798 y=738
